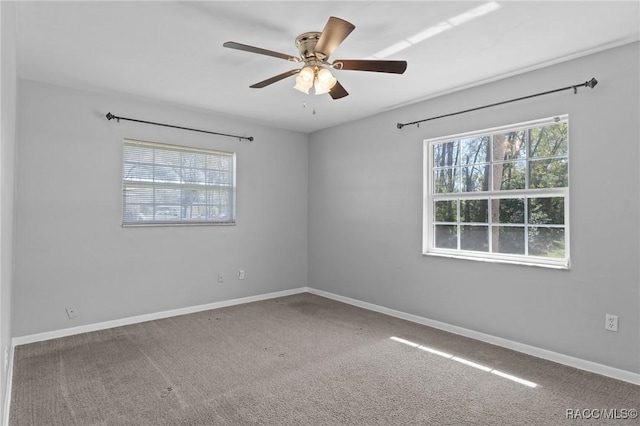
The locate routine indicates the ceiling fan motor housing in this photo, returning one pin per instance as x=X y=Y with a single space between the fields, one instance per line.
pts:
x=306 y=44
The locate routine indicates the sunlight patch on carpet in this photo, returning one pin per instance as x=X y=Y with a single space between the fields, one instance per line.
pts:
x=466 y=362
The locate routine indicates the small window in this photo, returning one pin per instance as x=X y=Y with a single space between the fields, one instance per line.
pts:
x=170 y=184
x=500 y=194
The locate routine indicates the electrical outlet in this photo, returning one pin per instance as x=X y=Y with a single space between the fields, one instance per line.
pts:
x=220 y=277
x=241 y=274
x=611 y=322
x=71 y=312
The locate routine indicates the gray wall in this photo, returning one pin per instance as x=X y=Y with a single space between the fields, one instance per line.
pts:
x=365 y=215
x=71 y=250
x=8 y=91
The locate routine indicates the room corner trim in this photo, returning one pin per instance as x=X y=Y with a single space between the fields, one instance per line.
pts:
x=7 y=393
x=593 y=367
x=38 y=337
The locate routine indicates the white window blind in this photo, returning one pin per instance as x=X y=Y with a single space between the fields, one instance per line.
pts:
x=170 y=184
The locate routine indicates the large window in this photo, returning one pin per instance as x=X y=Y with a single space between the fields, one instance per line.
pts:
x=169 y=184
x=500 y=194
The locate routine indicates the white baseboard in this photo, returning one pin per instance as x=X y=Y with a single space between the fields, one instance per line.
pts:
x=39 y=337
x=581 y=364
x=7 y=394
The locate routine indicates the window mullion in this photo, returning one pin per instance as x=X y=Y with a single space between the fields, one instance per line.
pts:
x=153 y=153
x=490 y=220
x=459 y=228
x=527 y=164
x=526 y=226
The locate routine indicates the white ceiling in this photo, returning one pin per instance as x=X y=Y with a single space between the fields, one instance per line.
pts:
x=172 y=51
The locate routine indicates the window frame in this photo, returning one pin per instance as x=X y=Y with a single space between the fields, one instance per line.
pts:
x=166 y=185
x=430 y=197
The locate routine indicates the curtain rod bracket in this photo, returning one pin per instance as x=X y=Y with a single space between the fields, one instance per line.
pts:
x=590 y=84
x=111 y=117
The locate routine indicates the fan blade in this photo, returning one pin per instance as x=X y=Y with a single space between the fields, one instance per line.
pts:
x=394 y=67
x=334 y=33
x=338 y=91
x=272 y=80
x=253 y=49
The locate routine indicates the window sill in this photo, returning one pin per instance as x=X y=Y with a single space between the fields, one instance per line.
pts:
x=560 y=265
x=152 y=224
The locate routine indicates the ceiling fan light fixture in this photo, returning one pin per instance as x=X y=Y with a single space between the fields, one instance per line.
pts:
x=304 y=80
x=324 y=81
x=307 y=74
x=301 y=86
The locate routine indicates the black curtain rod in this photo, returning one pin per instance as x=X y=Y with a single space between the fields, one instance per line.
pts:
x=591 y=84
x=111 y=116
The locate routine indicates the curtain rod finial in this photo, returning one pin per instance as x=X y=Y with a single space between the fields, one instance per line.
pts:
x=591 y=83
x=110 y=116
x=400 y=125
x=250 y=138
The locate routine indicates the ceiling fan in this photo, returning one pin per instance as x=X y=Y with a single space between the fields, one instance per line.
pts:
x=315 y=49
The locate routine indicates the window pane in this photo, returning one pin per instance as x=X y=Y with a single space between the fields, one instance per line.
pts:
x=446 y=181
x=509 y=146
x=222 y=202
x=166 y=157
x=547 y=242
x=551 y=173
x=166 y=174
x=225 y=178
x=475 y=178
x=445 y=154
x=168 y=195
x=475 y=150
x=508 y=239
x=194 y=160
x=474 y=211
x=138 y=172
x=548 y=141
x=218 y=178
x=216 y=163
x=193 y=176
x=474 y=238
x=189 y=197
x=546 y=210
x=509 y=175
x=446 y=211
x=137 y=154
x=167 y=213
x=133 y=213
x=446 y=236
x=507 y=210
x=212 y=176
x=134 y=195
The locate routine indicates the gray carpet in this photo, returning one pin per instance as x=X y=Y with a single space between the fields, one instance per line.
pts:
x=297 y=360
